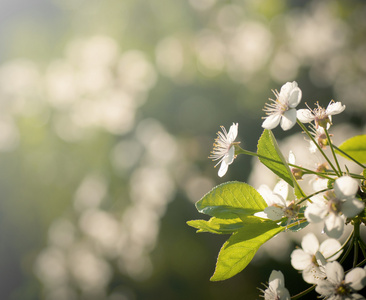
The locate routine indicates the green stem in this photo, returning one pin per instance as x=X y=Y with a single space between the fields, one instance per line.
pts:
x=362 y=248
x=333 y=153
x=303 y=293
x=239 y=150
x=316 y=193
x=303 y=127
x=349 y=156
x=356 y=238
x=347 y=251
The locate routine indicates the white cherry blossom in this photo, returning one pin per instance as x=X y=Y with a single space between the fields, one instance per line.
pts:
x=282 y=110
x=335 y=205
x=224 y=148
x=321 y=116
x=276 y=288
x=340 y=287
x=312 y=258
x=278 y=207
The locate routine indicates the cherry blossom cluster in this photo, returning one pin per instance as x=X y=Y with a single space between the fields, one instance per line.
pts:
x=338 y=199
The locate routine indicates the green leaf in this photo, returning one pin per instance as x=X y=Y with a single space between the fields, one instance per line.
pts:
x=267 y=146
x=216 y=225
x=231 y=200
x=240 y=248
x=355 y=147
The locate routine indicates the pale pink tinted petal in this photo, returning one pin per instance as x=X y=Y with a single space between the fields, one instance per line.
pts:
x=345 y=187
x=351 y=208
x=335 y=108
x=288 y=119
x=223 y=168
x=334 y=272
x=333 y=226
x=281 y=188
x=329 y=247
x=233 y=132
x=300 y=260
x=310 y=243
x=271 y=121
x=315 y=213
x=356 y=278
x=274 y=213
x=304 y=115
x=295 y=97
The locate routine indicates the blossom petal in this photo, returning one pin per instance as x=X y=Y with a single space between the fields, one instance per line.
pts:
x=335 y=108
x=310 y=243
x=312 y=274
x=329 y=247
x=288 y=119
x=304 y=115
x=345 y=187
x=356 y=278
x=300 y=260
x=281 y=189
x=333 y=226
x=276 y=279
x=352 y=207
x=223 y=168
x=334 y=271
x=271 y=121
x=325 y=288
x=233 y=132
x=274 y=213
x=315 y=212
x=295 y=97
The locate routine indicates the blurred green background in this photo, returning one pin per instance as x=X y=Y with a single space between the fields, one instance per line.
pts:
x=108 y=111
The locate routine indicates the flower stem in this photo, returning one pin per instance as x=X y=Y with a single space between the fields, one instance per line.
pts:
x=349 y=156
x=333 y=153
x=303 y=293
x=316 y=193
x=303 y=127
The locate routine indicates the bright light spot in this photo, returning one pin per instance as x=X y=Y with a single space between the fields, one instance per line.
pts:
x=169 y=56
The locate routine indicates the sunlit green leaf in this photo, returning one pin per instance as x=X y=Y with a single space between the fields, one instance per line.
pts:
x=216 y=225
x=231 y=200
x=355 y=147
x=268 y=147
x=240 y=248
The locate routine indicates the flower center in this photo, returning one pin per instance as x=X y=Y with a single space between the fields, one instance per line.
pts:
x=343 y=289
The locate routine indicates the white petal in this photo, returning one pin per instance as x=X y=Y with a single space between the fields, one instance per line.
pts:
x=325 y=288
x=283 y=293
x=291 y=157
x=266 y=193
x=229 y=157
x=345 y=187
x=333 y=226
x=274 y=213
x=313 y=274
x=223 y=168
x=288 y=119
x=281 y=189
x=295 y=97
x=356 y=278
x=334 y=272
x=310 y=243
x=304 y=115
x=352 y=207
x=300 y=260
x=335 y=108
x=315 y=213
x=271 y=121
x=233 y=132
x=329 y=247
x=276 y=279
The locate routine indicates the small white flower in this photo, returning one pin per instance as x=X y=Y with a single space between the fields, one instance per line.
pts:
x=224 y=149
x=340 y=200
x=282 y=110
x=320 y=137
x=312 y=258
x=276 y=288
x=322 y=117
x=278 y=207
x=338 y=287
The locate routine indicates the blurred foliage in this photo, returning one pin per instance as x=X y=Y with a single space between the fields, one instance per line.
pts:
x=108 y=113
